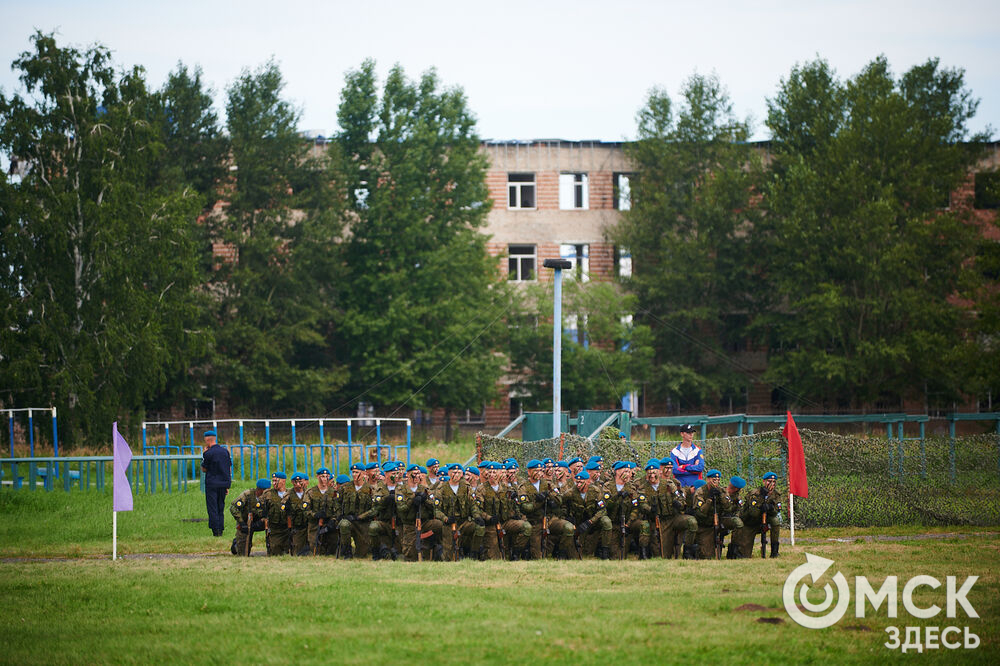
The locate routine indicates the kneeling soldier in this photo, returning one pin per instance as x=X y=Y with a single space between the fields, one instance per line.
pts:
x=248 y=511
x=761 y=505
x=295 y=508
x=274 y=517
x=415 y=509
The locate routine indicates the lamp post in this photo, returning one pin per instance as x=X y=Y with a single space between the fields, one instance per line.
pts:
x=559 y=265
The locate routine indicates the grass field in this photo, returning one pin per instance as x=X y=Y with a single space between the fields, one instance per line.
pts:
x=200 y=606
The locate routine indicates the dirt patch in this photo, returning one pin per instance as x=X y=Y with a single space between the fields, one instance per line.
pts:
x=857 y=627
x=770 y=620
x=753 y=607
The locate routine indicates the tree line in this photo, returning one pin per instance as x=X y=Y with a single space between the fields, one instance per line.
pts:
x=155 y=254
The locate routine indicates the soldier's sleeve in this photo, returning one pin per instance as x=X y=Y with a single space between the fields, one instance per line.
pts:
x=526 y=499
x=404 y=501
x=235 y=507
x=438 y=506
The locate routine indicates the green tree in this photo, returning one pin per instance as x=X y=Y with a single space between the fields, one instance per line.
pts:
x=99 y=303
x=421 y=297
x=687 y=232
x=196 y=151
x=858 y=242
x=276 y=307
x=604 y=354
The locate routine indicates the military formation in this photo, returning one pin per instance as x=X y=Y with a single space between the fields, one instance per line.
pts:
x=571 y=509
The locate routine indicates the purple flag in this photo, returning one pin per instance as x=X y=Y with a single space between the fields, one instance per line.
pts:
x=122 y=457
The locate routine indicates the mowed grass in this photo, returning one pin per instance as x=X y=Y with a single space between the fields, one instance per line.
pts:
x=222 y=609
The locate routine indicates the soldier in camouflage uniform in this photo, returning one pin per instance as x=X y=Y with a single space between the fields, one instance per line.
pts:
x=383 y=531
x=761 y=502
x=731 y=519
x=515 y=529
x=323 y=514
x=584 y=506
x=562 y=542
x=413 y=500
x=621 y=499
x=433 y=467
x=704 y=502
x=355 y=502
x=472 y=544
x=296 y=508
x=249 y=503
x=454 y=506
x=536 y=501
x=677 y=523
x=274 y=517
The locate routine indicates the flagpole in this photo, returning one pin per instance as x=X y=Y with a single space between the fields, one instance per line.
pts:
x=114 y=536
x=791 y=515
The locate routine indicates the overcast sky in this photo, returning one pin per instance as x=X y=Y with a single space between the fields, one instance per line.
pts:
x=570 y=70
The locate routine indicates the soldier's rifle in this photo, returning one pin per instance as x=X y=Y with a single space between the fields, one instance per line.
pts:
x=454 y=538
x=418 y=542
x=545 y=524
x=319 y=532
x=763 y=525
x=249 y=532
x=291 y=536
x=715 y=523
x=659 y=528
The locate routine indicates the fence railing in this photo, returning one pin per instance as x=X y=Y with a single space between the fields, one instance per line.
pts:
x=150 y=473
x=30 y=428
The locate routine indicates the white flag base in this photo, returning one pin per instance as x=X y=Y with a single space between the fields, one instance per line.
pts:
x=791 y=515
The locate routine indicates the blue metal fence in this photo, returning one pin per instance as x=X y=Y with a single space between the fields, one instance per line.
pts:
x=149 y=473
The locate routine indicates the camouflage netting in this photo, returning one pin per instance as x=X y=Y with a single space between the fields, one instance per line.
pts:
x=853 y=481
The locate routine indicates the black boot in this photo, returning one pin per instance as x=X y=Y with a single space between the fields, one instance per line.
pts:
x=526 y=553
x=734 y=552
x=438 y=554
x=692 y=552
x=774 y=548
x=643 y=552
x=232 y=549
x=514 y=557
x=347 y=553
x=604 y=553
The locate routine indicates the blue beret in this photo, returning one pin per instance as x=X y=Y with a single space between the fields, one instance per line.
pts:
x=299 y=475
x=562 y=463
x=507 y=460
x=474 y=470
x=510 y=465
x=371 y=465
x=582 y=474
x=548 y=461
x=534 y=464
x=631 y=465
x=388 y=466
x=575 y=460
x=619 y=464
x=279 y=475
x=432 y=461
x=322 y=470
x=413 y=468
x=208 y=433
x=592 y=466
x=769 y=475
x=263 y=484
x=358 y=467
x=713 y=473
x=343 y=478
x=423 y=470
x=653 y=463
x=595 y=459
x=698 y=483
x=667 y=461
x=455 y=466
x=621 y=435
x=737 y=482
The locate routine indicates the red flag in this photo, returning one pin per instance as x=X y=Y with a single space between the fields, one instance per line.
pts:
x=798 y=485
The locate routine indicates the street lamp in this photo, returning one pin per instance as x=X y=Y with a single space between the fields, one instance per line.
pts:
x=559 y=265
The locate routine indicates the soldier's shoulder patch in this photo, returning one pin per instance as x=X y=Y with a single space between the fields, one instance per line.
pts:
x=305 y=504
x=239 y=503
x=607 y=496
x=282 y=506
x=399 y=498
x=377 y=499
x=437 y=502
x=753 y=503
x=700 y=502
x=600 y=503
x=642 y=498
x=523 y=498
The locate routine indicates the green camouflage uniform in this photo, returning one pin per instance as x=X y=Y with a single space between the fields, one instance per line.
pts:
x=752 y=514
x=356 y=512
x=587 y=512
x=457 y=510
x=625 y=504
x=277 y=526
x=323 y=512
x=704 y=513
x=383 y=529
x=407 y=510
x=537 y=511
x=295 y=509
x=240 y=509
x=673 y=520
